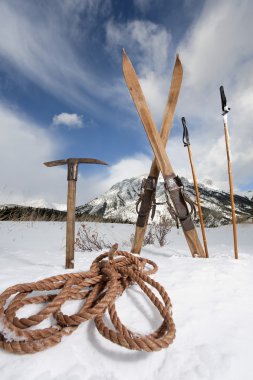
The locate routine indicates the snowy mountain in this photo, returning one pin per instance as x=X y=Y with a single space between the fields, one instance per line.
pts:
x=42 y=203
x=248 y=194
x=39 y=203
x=39 y=210
x=118 y=203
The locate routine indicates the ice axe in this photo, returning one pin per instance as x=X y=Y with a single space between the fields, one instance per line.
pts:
x=71 y=201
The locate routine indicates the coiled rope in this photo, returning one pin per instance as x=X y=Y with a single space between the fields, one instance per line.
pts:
x=109 y=275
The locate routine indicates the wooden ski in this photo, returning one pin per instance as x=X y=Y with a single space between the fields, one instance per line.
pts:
x=172 y=182
x=151 y=182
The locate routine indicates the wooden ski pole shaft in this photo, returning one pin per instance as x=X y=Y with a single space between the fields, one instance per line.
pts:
x=226 y=109
x=231 y=189
x=186 y=142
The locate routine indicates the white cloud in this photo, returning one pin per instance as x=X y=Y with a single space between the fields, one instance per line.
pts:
x=41 y=43
x=24 y=146
x=142 y=5
x=71 y=120
x=148 y=47
x=148 y=41
x=218 y=51
x=126 y=168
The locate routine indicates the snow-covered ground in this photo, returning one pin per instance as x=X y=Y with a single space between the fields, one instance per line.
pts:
x=212 y=308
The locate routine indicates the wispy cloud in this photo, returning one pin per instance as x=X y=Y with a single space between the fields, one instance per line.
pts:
x=71 y=120
x=25 y=177
x=42 y=43
x=142 y=5
x=24 y=146
x=218 y=51
x=148 y=46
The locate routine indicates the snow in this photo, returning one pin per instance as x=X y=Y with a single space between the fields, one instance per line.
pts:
x=212 y=308
x=42 y=203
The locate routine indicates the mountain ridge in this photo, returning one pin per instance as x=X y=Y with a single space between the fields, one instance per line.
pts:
x=118 y=204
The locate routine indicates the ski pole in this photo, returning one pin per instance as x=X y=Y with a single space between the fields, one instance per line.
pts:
x=225 y=110
x=186 y=142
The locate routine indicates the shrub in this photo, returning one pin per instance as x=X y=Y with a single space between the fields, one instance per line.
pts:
x=89 y=240
x=161 y=229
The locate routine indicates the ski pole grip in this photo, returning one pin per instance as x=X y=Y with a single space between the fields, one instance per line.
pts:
x=223 y=98
x=224 y=106
x=186 y=139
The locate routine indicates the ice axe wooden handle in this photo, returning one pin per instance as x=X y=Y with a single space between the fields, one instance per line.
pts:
x=71 y=200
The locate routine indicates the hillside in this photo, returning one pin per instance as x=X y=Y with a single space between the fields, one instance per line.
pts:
x=118 y=203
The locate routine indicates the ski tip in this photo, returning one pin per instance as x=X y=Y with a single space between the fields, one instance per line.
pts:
x=178 y=62
x=125 y=61
x=124 y=57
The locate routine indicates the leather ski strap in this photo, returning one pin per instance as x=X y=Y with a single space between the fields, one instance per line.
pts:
x=146 y=200
x=174 y=188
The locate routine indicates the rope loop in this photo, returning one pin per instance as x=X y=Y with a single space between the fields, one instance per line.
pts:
x=109 y=275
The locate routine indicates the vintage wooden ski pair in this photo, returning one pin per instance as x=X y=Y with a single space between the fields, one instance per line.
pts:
x=173 y=185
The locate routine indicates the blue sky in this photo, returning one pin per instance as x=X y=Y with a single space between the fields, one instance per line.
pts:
x=62 y=91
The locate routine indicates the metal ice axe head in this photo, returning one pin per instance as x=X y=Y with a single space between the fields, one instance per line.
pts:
x=73 y=165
